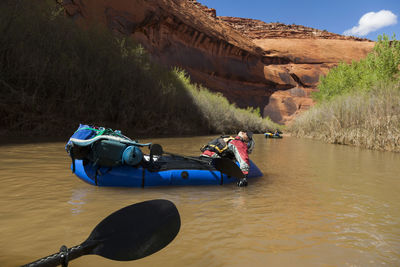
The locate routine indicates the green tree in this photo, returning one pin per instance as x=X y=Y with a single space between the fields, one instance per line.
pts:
x=380 y=66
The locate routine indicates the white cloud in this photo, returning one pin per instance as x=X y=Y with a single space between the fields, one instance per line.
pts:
x=371 y=22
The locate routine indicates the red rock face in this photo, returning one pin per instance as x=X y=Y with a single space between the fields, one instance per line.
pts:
x=270 y=66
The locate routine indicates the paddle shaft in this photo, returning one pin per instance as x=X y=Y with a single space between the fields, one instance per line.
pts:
x=59 y=258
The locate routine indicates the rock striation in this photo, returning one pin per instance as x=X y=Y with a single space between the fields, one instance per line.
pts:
x=270 y=66
x=257 y=29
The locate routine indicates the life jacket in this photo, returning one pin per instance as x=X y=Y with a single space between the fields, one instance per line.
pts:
x=220 y=146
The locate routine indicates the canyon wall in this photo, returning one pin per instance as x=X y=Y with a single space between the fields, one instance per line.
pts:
x=270 y=66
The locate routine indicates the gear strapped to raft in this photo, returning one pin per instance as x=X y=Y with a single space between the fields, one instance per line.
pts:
x=103 y=147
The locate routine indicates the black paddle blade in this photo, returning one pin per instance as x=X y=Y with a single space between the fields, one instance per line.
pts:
x=228 y=167
x=135 y=231
x=156 y=149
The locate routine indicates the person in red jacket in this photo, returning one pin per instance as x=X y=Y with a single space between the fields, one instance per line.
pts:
x=237 y=148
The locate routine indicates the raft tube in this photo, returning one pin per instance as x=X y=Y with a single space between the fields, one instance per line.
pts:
x=164 y=171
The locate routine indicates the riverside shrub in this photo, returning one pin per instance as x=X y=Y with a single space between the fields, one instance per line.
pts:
x=222 y=116
x=380 y=66
x=368 y=119
x=358 y=103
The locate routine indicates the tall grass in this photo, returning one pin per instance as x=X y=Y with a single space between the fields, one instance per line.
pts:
x=222 y=116
x=54 y=75
x=367 y=119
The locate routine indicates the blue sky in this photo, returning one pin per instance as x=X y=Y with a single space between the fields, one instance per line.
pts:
x=365 y=18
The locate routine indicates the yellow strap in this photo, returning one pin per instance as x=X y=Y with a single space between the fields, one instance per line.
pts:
x=218 y=149
x=226 y=140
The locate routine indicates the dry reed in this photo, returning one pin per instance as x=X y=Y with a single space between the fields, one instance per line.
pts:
x=366 y=119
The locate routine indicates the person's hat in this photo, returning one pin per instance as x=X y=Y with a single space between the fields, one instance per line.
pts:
x=249 y=135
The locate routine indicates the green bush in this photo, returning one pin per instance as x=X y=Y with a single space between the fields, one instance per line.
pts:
x=380 y=66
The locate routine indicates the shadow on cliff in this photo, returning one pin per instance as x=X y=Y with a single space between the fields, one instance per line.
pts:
x=55 y=75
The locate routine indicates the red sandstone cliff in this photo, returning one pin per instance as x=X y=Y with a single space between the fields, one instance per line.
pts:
x=272 y=66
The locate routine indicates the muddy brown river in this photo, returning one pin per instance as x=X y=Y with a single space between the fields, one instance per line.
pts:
x=316 y=205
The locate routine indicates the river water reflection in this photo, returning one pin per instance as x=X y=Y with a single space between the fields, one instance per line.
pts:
x=316 y=205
